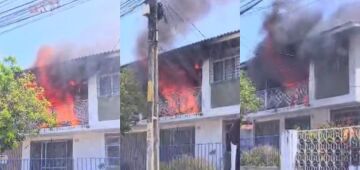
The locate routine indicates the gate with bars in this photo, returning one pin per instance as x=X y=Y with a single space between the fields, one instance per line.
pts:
x=321 y=149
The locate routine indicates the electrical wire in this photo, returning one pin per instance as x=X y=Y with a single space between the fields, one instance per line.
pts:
x=184 y=19
x=51 y=13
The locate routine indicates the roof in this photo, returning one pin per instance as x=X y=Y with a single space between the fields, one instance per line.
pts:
x=92 y=57
x=213 y=40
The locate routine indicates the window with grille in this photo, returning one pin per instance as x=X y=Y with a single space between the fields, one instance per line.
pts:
x=109 y=85
x=112 y=149
x=225 y=66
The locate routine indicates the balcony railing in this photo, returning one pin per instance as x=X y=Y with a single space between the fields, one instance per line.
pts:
x=274 y=98
x=81 y=111
x=81 y=114
x=181 y=104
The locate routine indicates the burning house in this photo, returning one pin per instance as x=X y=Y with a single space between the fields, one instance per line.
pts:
x=199 y=93
x=84 y=94
x=305 y=71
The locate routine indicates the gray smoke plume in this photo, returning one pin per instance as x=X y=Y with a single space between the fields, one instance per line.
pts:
x=180 y=14
x=280 y=56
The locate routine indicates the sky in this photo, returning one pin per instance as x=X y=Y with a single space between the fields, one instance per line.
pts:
x=251 y=32
x=91 y=27
x=221 y=19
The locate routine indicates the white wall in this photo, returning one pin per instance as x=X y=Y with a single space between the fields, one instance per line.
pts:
x=206 y=96
x=318 y=117
x=354 y=80
x=93 y=109
x=84 y=144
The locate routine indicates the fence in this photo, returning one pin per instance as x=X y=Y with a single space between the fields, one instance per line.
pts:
x=61 y=164
x=210 y=156
x=335 y=148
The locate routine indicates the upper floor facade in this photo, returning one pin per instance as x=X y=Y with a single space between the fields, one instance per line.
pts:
x=200 y=80
x=331 y=78
x=93 y=88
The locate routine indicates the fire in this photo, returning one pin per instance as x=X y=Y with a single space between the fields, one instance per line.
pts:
x=179 y=92
x=61 y=100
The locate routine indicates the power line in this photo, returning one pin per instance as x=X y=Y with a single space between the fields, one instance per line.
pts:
x=184 y=19
x=45 y=16
x=250 y=7
x=130 y=9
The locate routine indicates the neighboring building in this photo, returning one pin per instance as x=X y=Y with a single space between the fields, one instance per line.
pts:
x=329 y=93
x=95 y=141
x=209 y=70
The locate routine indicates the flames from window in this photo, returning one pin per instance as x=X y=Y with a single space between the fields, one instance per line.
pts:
x=59 y=95
x=179 y=91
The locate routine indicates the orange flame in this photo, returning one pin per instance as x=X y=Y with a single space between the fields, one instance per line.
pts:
x=62 y=101
x=179 y=92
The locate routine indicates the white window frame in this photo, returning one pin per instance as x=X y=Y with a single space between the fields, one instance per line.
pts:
x=111 y=145
x=112 y=93
x=223 y=62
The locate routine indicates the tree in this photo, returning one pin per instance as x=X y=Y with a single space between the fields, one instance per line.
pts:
x=248 y=102
x=23 y=107
x=248 y=99
x=132 y=101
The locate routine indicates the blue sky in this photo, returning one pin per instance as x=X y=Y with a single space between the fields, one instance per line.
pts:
x=221 y=19
x=89 y=28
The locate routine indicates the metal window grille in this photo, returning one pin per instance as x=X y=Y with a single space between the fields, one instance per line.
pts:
x=109 y=85
x=225 y=66
x=112 y=149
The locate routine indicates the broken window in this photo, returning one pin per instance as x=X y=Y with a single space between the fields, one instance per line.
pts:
x=109 y=85
x=112 y=146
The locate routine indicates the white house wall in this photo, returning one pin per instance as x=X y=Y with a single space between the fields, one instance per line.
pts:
x=85 y=145
x=318 y=117
x=206 y=96
x=94 y=122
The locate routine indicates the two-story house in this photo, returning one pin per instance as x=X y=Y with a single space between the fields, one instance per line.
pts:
x=199 y=92
x=329 y=92
x=94 y=140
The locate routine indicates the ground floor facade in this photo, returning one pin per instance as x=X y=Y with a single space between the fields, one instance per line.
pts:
x=72 y=151
x=266 y=130
x=207 y=141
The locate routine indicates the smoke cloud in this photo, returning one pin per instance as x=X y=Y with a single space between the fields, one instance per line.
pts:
x=179 y=15
x=292 y=39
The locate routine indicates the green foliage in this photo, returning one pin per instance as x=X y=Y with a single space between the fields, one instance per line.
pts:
x=132 y=99
x=248 y=99
x=261 y=156
x=187 y=162
x=23 y=107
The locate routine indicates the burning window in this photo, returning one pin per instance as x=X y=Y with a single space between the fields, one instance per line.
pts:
x=226 y=68
x=109 y=85
x=112 y=146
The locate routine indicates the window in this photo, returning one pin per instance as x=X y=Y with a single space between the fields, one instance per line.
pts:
x=109 y=85
x=175 y=142
x=112 y=149
x=51 y=154
x=303 y=123
x=226 y=68
x=267 y=133
x=349 y=116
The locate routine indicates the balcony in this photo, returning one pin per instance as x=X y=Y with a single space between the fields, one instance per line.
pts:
x=81 y=116
x=275 y=98
x=180 y=105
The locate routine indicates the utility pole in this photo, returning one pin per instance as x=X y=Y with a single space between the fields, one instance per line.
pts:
x=152 y=155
